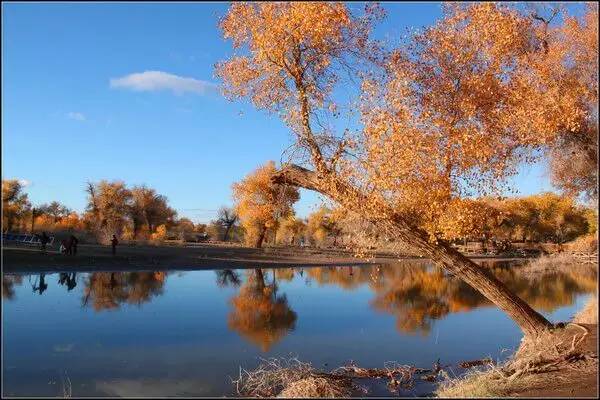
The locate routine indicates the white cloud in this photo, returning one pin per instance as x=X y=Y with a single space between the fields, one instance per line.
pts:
x=158 y=80
x=77 y=116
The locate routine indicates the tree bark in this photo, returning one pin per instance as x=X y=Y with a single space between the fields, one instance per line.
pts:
x=32 y=220
x=441 y=253
x=261 y=237
x=226 y=234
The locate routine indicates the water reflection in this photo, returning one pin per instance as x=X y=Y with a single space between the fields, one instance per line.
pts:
x=259 y=313
x=415 y=293
x=8 y=285
x=39 y=285
x=418 y=295
x=68 y=279
x=108 y=290
x=228 y=277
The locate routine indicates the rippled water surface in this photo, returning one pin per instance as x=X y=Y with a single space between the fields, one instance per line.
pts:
x=169 y=333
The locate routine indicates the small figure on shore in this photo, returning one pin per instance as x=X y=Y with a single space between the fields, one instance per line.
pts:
x=73 y=245
x=114 y=242
x=63 y=246
x=44 y=239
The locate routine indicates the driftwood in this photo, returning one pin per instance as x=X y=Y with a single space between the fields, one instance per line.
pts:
x=475 y=363
x=400 y=376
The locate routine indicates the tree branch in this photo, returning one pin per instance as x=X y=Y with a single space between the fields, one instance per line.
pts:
x=296 y=175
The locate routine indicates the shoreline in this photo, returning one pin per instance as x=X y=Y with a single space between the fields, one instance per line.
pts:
x=91 y=258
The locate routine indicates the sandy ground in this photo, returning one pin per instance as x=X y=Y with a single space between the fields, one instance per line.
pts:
x=201 y=256
x=99 y=258
x=567 y=382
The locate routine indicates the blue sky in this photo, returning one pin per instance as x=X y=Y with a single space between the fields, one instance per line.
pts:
x=73 y=109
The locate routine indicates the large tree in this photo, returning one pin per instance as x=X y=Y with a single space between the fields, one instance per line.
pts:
x=451 y=112
x=108 y=208
x=55 y=210
x=260 y=202
x=148 y=210
x=227 y=217
x=15 y=203
x=574 y=157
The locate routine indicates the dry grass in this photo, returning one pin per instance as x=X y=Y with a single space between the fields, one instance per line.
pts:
x=587 y=243
x=589 y=312
x=551 y=262
x=551 y=351
x=314 y=386
x=290 y=378
x=474 y=384
x=564 y=262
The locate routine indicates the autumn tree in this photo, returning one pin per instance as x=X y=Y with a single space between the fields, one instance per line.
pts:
x=574 y=157
x=15 y=203
x=185 y=228
x=259 y=202
x=321 y=224
x=55 y=210
x=450 y=113
x=108 y=208
x=290 y=229
x=541 y=217
x=148 y=210
x=227 y=217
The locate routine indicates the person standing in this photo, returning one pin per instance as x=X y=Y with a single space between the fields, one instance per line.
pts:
x=44 y=239
x=73 y=241
x=63 y=247
x=114 y=242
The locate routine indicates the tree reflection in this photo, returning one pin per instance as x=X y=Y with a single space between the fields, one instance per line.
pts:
x=259 y=314
x=228 y=277
x=8 y=285
x=417 y=294
x=108 y=290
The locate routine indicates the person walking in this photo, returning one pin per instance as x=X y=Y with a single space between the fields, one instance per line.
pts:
x=114 y=242
x=73 y=242
x=63 y=246
x=44 y=239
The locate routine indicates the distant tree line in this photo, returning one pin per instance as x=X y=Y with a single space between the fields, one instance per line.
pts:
x=263 y=213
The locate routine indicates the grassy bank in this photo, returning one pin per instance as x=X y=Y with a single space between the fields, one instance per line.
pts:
x=562 y=362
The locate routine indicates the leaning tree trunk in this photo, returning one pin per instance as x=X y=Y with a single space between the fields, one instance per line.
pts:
x=441 y=253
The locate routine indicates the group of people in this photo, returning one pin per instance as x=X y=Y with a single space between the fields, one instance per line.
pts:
x=69 y=246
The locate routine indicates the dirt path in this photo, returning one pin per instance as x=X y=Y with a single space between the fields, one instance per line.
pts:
x=567 y=382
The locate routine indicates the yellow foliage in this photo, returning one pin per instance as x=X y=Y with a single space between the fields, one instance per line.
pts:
x=259 y=202
x=160 y=234
x=448 y=115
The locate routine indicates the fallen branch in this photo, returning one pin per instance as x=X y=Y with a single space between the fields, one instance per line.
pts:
x=474 y=363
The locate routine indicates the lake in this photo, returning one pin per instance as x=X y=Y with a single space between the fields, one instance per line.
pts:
x=170 y=333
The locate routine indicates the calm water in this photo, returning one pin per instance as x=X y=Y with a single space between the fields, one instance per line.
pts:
x=185 y=333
